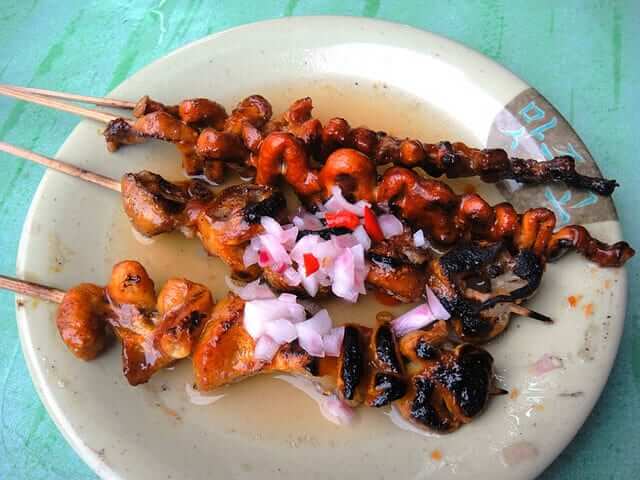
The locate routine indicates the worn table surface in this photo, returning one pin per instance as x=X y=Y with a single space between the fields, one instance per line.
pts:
x=582 y=55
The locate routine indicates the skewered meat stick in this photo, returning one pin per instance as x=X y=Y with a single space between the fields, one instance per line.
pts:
x=452 y=159
x=426 y=203
x=154 y=330
x=229 y=223
x=444 y=390
x=232 y=140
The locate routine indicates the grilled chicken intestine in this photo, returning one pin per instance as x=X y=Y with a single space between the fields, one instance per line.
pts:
x=373 y=368
x=209 y=140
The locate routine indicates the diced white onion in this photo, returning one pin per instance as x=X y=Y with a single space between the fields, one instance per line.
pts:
x=277 y=253
x=306 y=221
x=292 y=277
x=320 y=322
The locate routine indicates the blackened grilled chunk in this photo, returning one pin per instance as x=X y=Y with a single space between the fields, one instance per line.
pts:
x=271 y=206
x=386 y=351
x=452 y=388
x=468 y=258
x=385 y=373
x=423 y=410
x=388 y=387
x=468 y=378
x=351 y=363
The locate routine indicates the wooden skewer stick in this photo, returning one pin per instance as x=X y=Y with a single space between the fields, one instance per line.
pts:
x=103 y=117
x=31 y=289
x=102 y=101
x=59 y=166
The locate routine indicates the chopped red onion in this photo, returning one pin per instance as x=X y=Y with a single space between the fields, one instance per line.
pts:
x=419 y=317
x=306 y=221
x=250 y=256
x=545 y=364
x=390 y=225
x=344 y=241
x=287 y=297
x=266 y=349
x=281 y=331
x=332 y=341
x=320 y=322
x=344 y=277
x=436 y=307
x=336 y=411
x=271 y=226
x=338 y=202
x=311 y=283
x=271 y=244
x=310 y=340
x=418 y=239
x=251 y=291
x=292 y=277
x=362 y=237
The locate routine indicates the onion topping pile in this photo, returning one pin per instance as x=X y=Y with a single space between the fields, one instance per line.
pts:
x=335 y=259
x=273 y=322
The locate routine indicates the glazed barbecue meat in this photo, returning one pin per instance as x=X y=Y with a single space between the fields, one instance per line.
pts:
x=157 y=206
x=434 y=385
x=397 y=267
x=236 y=138
x=456 y=159
x=440 y=391
x=224 y=353
x=154 y=330
x=228 y=223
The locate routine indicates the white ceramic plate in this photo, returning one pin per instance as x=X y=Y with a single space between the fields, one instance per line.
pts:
x=387 y=76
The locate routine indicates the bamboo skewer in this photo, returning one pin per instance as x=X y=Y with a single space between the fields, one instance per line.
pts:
x=97 y=115
x=102 y=101
x=23 y=287
x=62 y=167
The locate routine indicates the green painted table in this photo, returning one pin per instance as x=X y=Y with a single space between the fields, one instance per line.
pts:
x=582 y=55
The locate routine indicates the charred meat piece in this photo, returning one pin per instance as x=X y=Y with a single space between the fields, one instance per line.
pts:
x=424 y=344
x=233 y=219
x=385 y=370
x=396 y=267
x=451 y=389
x=202 y=112
x=154 y=331
x=351 y=365
x=482 y=285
